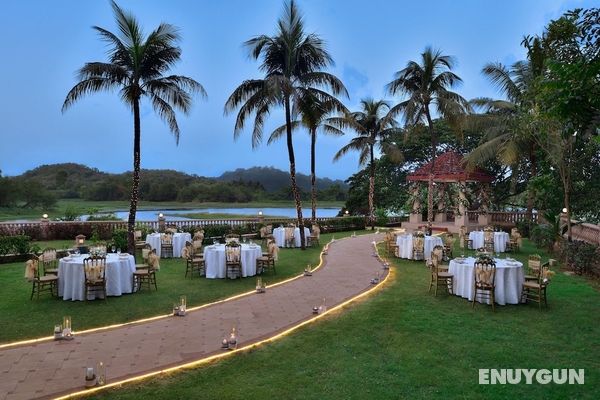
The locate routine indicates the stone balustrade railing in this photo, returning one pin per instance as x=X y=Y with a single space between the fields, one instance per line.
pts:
x=583 y=231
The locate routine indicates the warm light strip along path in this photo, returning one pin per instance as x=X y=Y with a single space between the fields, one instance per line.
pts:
x=51 y=369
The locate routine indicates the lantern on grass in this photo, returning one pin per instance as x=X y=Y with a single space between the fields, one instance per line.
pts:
x=67 y=332
x=307 y=271
x=232 y=342
x=101 y=372
x=182 y=305
x=260 y=286
x=90 y=377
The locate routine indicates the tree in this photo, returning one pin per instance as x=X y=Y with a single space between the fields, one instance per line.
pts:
x=508 y=134
x=568 y=94
x=292 y=62
x=427 y=84
x=137 y=66
x=314 y=115
x=373 y=124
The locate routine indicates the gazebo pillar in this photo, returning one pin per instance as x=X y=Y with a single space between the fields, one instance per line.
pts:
x=462 y=219
x=416 y=215
x=441 y=216
x=484 y=217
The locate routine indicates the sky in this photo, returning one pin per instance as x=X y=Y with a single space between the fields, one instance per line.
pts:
x=45 y=42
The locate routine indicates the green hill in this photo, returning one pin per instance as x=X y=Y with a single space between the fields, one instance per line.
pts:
x=70 y=180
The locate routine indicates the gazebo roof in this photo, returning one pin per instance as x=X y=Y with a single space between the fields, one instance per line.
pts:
x=449 y=168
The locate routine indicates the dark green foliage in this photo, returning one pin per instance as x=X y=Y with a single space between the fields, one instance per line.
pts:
x=581 y=257
x=239 y=186
x=273 y=179
x=17 y=244
x=119 y=238
x=343 y=224
x=543 y=235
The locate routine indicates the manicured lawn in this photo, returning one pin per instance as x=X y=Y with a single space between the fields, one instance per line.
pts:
x=21 y=318
x=405 y=343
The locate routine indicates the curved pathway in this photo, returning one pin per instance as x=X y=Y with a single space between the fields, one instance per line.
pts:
x=50 y=369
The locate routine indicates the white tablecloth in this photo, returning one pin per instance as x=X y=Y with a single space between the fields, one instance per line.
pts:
x=179 y=240
x=71 y=278
x=214 y=258
x=405 y=245
x=279 y=235
x=509 y=280
x=500 y=240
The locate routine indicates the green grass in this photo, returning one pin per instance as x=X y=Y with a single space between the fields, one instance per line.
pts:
x=108 y=206
x=21 y=318
x=405 y=343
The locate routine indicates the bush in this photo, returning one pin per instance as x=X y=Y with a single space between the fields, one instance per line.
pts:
x=119 y=238
x=544 y=236
x=18 y=244
x=381 y=217
x=343 y=224
x=581 y=257
x=523 y=227
x=216 y=231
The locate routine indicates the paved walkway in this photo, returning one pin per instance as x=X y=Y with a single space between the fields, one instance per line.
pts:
x=50 y=369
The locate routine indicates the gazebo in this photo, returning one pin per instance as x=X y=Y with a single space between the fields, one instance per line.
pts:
x=449 y=171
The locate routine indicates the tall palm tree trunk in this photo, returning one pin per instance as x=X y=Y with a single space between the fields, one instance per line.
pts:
x=136 y=177
x=290 y=146
x=431 y=173
x=313 y=177
x=372 y=190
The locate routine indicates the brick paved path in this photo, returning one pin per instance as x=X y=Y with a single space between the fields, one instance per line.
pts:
x=49 y=369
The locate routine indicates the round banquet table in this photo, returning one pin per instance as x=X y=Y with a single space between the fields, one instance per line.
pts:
x=214 y=259
x=71 y=278
x=405 y=245
x=509 y=280
x=500 y=240
x=179 y=239
x=279 y=235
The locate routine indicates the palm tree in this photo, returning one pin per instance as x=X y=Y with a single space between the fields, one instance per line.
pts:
x=292 y=62
x=136 y=66
x=314 y=115
x=507 y=132
x=373 y=124
x=427 y=84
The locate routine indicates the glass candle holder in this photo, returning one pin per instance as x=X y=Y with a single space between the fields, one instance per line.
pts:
x=182 y=303
x=67 y=330
x=101 y=372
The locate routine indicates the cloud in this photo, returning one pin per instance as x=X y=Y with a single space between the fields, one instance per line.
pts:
x=354 y=79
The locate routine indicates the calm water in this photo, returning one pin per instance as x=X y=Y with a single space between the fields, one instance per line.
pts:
x=171 y=215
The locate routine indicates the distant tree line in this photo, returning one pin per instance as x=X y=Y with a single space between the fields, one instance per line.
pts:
x=41 y=186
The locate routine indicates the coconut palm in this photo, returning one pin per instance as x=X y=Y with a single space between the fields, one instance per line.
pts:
x=373 y=125
x=292 y=62
x=314 y=110
x=508 y=136
x=137 y=67
x=427 y=85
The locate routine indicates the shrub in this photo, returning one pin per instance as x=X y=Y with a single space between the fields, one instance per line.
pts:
x=523 y=227
x=119 y=238
x=381 y=217
x=17 y=244
x=544 y=235
x=581 y=257
x=216 y=231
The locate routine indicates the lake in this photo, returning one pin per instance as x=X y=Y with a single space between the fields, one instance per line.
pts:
x=171 y=215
